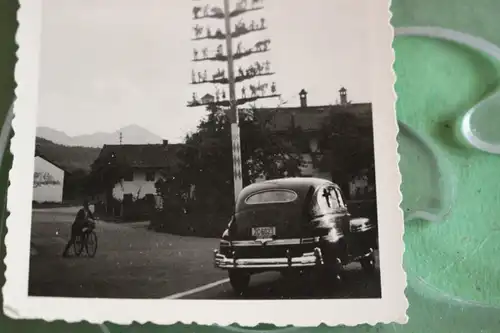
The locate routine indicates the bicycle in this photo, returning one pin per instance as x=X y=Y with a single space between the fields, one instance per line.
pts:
x=87 y=240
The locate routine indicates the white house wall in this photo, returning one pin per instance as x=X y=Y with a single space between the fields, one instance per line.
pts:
x=48 y=181
x=139 y=187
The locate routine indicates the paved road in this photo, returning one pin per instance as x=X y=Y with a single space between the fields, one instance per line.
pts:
x=132 y=262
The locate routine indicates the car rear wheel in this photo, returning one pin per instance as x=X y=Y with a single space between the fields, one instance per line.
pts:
x=330 y=276
x=368 y=263
x=239 y=281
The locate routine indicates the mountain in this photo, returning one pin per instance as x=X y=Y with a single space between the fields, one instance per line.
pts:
x=71 y=159
x=132 y=134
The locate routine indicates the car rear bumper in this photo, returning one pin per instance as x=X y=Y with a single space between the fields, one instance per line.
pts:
x=309 y=259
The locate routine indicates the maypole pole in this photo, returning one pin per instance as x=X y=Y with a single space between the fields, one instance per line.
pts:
x=234 y=117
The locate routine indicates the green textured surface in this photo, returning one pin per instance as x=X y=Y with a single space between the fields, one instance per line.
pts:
x=456 y=255
x=437 y=81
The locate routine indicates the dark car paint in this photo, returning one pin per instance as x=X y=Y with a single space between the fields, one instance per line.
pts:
x=293 y=220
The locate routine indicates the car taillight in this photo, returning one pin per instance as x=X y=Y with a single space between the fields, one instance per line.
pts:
x=323 y=225
x=323 y=222
x=360 y=224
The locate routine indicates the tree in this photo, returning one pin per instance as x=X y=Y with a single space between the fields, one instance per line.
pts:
x=347 y=141
x=207 y=158
x=106 y=172
x=75 y=184
x=265 y=153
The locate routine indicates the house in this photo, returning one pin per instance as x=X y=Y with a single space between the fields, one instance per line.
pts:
x=310 y=121
x=48 y=180
x=136 y=186
x=207 y=99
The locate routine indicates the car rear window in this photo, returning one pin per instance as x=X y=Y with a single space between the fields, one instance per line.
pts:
x=271 y=196
x=326 y=201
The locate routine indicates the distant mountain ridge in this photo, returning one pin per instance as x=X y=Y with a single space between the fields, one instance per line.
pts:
x=132 y=134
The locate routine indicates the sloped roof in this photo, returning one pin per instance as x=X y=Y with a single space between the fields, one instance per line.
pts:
x=144 y=156
x=310 y=118
x=38 y=153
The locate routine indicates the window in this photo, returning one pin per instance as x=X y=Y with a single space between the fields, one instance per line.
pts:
x=128 y=176
x=326 y=201
x=272 y=196
x=150 y=176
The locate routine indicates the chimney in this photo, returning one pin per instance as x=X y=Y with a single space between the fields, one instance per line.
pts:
x=303 y=98
x=343 y=96
x=165 y=143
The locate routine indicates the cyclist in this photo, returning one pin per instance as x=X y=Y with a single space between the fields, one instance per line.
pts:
x=84 y=218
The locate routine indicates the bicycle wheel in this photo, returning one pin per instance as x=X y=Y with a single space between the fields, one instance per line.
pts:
x=78 y=245
x=91 y=244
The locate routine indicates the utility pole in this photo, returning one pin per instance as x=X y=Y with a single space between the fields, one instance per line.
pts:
x=256 y=70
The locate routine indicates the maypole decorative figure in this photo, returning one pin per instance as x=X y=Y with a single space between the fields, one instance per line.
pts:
x=218 y=75
x=198 y=30
x=196 y=12
x=267 y=66
x=241 y=5
x=217 y=95
x=262 y=45
x=256 y=2
x=252 y=25
x=219 y=50
x=206 y=10
x=239 y=49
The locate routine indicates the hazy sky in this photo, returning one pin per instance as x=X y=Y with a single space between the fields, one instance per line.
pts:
x=106 y=64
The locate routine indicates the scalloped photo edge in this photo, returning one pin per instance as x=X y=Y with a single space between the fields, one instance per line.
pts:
x=391 y=307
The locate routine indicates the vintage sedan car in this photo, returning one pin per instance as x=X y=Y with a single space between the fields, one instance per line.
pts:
x=293 y=224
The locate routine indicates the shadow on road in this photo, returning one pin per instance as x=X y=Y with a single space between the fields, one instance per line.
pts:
x=132 y=262
x=356 y=284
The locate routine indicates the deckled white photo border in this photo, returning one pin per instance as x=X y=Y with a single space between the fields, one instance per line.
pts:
x=390 y=308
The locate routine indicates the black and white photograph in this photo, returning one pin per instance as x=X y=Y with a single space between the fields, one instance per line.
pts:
x=208 y=161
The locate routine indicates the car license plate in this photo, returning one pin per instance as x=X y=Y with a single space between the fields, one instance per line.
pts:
x=264 y=232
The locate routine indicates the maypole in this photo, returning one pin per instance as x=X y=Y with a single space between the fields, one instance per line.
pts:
x=257 y=69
